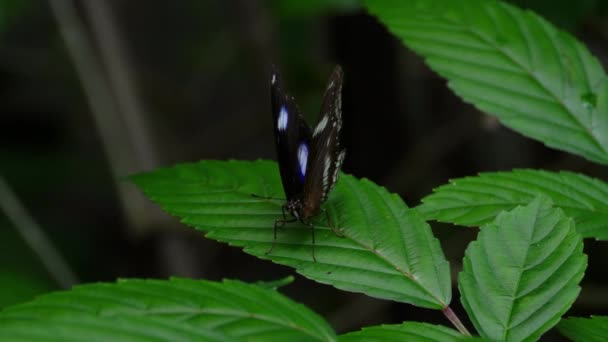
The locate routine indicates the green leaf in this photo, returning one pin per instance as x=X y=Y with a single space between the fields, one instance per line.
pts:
x=475 y=201
x=275 y=284
x=522 y=273
x=160 y=310
x=408 y=331
x=510 y=63
x=594 y=329
x=385 y=249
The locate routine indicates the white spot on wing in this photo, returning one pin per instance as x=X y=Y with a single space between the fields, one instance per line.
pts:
x=282 y=121
x=334 y=176
x=339 y=106
x=320 y=126
x=302 y=158
x=339 y=162
x=326 y=165
x=274 y=79
x=340 y=159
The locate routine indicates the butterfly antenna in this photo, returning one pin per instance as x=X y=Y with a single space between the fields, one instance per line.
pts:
x=268 y=198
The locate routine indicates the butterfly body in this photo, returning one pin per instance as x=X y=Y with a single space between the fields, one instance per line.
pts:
x=309 y=160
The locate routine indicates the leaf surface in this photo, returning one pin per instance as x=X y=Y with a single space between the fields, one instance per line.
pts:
x=512 y=64
x=475 y=201
x=523 y=272
x=383 y=249
x=159 y=310
x=408 y=331
x=593 y=329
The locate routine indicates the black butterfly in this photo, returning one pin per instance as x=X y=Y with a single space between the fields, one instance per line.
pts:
x=309 y=161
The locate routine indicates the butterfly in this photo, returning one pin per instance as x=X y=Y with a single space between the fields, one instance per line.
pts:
x=309 y=160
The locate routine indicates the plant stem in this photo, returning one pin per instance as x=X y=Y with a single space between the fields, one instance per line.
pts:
x=35 y=237
x=126 y=150
x=451 y=316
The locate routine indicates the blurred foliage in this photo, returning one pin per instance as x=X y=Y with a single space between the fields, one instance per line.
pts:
x=22 y=277
x=298 y=8
x=22 y=168
x=298 y=46
x=10 y=10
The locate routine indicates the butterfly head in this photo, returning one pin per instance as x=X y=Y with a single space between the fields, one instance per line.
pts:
x=294 y=207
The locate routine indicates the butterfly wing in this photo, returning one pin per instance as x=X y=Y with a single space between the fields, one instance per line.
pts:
x=326 y=154
x=292 y=139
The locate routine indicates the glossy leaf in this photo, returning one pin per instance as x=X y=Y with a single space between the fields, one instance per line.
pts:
x=512 y=64
x=593 y=329
x=523 y=272
x=382 y=248
x=475 y=201
x=158 y=310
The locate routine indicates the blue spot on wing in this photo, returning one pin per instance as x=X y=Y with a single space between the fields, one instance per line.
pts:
x=302 y=160
x=283 y=118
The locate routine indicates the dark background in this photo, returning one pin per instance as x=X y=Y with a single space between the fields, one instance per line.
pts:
x=93 y=91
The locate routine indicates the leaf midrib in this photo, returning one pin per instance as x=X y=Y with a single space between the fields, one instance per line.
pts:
x=504 y=51
x=539 y=82
x=597 y=207
x=387 y=261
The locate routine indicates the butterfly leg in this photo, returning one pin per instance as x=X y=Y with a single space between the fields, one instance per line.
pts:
x=312 y=229
x=279 y=224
